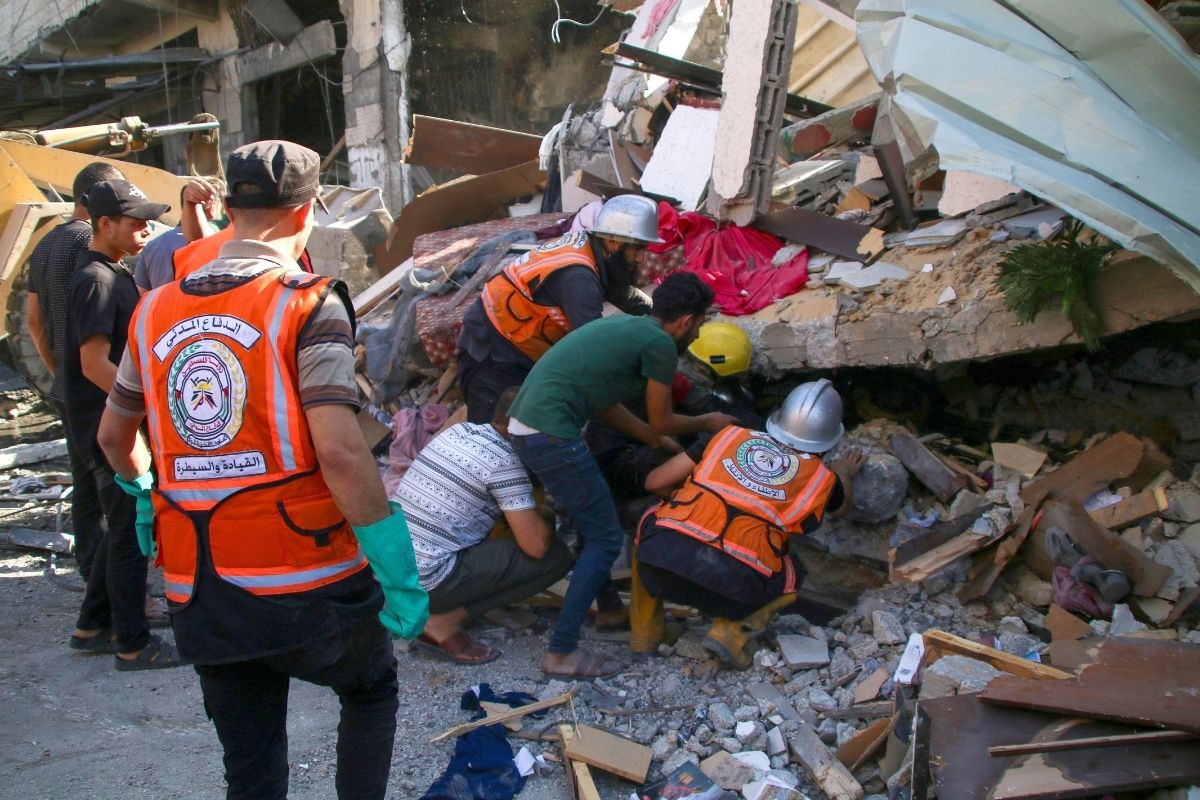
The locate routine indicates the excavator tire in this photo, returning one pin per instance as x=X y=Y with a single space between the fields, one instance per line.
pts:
x=25 y=358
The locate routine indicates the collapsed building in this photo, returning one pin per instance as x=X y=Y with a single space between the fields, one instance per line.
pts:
x=867 y=186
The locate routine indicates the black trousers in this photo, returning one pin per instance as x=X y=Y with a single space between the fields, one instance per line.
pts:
x=483 y=382
x=247 y=702
x=87 y=515
x=116 y=589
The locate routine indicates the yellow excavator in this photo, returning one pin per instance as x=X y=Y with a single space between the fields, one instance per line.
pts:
x=37 y=169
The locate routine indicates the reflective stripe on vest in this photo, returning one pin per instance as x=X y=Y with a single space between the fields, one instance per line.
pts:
x=747 y=495
x=251 y=579
x=508 y=297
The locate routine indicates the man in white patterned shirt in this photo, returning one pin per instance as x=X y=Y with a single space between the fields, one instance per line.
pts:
x=453 y=496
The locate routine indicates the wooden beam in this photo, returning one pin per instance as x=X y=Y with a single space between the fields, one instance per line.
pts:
x=1002 y=750
x=459 y=730
x=940 y=643
x=314 y=43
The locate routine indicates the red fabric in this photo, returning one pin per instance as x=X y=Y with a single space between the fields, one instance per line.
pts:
x=679 y=389
x=735 y=262
x=438 y=325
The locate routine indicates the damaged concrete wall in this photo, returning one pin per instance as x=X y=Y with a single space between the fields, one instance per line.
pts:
x=25 y=23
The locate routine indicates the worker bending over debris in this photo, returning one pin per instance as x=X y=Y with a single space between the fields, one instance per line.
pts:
x=453 y=495
x=269 y=505
x=707 y=379
x=719 y=543
x=587 y=374
x=549 y=292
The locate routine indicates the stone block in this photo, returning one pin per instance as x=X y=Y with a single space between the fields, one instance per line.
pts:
x=803 y=652
x=721 y=717
x=966 y=675
x=880 y=488
x=887 y=628
x=726 y=771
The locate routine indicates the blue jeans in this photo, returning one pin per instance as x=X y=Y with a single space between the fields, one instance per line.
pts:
x=569 y=473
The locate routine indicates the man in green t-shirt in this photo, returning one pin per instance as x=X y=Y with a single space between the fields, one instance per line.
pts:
x=588 y=374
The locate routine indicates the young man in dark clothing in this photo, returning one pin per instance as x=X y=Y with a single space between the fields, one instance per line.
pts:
x=50 y=269
x=101 y=298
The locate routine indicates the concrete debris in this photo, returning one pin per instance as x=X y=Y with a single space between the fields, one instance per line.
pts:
x=803 y=652
x=887 y=628
x=948 y=295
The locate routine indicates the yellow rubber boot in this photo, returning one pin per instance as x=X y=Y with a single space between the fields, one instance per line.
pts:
x=730 y=640
x=646 y=619
x=727 y=640
x=757 y=622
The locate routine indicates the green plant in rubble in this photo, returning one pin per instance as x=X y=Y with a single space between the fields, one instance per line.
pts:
x=1035 y=276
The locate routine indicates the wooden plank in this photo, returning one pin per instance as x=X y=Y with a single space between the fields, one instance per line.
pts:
x=464 y=147
x=856 y=750
x=585 y=787
x=926 y=467
x=381 y=289
x=838 y=236
x=961 y=729
x=460 y=202
x=939 y=644
x=1134 y=698
x=1090 y=741
x=926 y=564
x=520 y=711
x=869 y=689
x=822 y=765
x=1131 y=509
x=1065 y=626
x=611 y=753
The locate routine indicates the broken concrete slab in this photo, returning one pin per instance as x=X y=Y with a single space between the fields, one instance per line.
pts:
x=822 y=765
x=803 y=652
x=838 y=236
x=683 y=158
x=871 y=277
x=967 y=191
x=938 y=234
x=810 y=136
x=1041 y=223
x=726 y=771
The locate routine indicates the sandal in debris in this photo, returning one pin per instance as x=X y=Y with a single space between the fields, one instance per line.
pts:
x=458 y=647
x=158 y=654
x=589 y=666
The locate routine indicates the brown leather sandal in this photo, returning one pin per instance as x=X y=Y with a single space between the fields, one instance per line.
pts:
x=591 y=665
x=459 y=648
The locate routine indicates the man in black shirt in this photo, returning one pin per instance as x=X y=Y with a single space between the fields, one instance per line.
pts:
x=101 y=298
x=50 y=269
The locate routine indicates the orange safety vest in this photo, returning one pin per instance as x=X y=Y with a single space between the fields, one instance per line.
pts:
x=195 y=254
x=231 y=442
x=508 y=297
x=747 y=495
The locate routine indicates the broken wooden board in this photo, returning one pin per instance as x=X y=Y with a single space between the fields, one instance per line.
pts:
x=869 y=689
x=1065 y=626
x=1113 y=552
x=610 y=753
x=923 y=566
x=822 y=765
x=516 y=713
x=585 y=787
x=940 y=643
x=460 y=202
x=1121 y=457
x=926 y=467
x=936 y=536
x=1115 y=740
x=1018 y=457
x=842 y=238
x=856 y=750
x=954 y=735
x=1148 y=683
x=463 y=147
x=1131 y=509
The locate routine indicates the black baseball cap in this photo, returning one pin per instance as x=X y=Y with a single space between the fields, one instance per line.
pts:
x=272 y=174
x=118 y=197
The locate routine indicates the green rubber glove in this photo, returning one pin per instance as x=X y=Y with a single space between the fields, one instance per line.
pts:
x=140 y=487
x=388 y=548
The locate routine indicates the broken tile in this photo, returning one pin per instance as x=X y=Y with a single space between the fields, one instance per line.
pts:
x=872 y=276
x=803 y=652
x=966 y=191
x=1021 y=458
x=948 y=295
x=1028 y=225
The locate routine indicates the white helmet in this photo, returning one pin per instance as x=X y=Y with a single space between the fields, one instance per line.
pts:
x=810 y=419
x=628 y=218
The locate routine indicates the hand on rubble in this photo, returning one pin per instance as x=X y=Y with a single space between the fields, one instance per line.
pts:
x=850 y=463
x=716 y=421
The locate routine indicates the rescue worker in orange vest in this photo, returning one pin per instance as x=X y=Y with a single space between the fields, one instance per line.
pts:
x=269 y=507
x=719 y=543
x=549 y=292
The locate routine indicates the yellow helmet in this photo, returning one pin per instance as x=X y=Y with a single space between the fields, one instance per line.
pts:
x=723 y=346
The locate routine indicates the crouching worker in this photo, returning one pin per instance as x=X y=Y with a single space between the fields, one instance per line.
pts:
x=268 y=507
x=453 y=495
x=720 y=542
